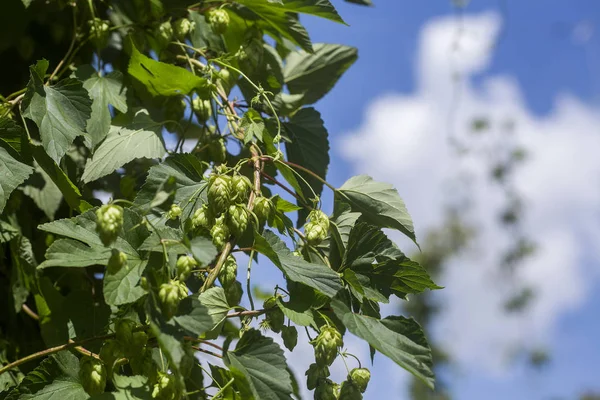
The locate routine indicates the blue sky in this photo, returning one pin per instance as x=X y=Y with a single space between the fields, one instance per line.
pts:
x=546 y=51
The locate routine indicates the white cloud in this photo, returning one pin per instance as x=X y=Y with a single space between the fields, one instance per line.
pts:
x=405 y=139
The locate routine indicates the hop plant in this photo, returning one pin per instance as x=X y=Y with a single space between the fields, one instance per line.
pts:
x=349 y=391
x=117 y=260
x=319 y=217
x=326 y=390
x=92 y=374
x=217 y=150
x=218 y=20
x=228 y=273
x=143 y=364
x=314 y=373
x=219 y=233
x=109 y=222
x=326 y=345
x=241 y=186
x=169 y=296
x=274 y=316
x=174 y=212
x=124 y=331
x=99 y=32
x=174 y=112
x=185 y=265
x=202 y=109
x=165 y=388
x=233 y=293
x=264 y=209
x=360 y=377
x=219 y=192
x=110 y=352
x=183 y=27
x=237 y=220
x=202 y=217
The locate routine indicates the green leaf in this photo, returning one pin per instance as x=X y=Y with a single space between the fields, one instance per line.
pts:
x=48 y=198
x=60 y=111
x=12 y=173
x=252 y=125
x=10 y=133
x=398 y=338
x=122 y=287
x=172 y=238
x=361 y=2
x=161 y=79
x=54 y=378
x=309 y=147
x=128 y=388
x=298 y=310
x=190 y=184
x=340 y=226
x=203 y=249
x=193 y=316
x=262 y=363
x=314 y=75
x=215 y=301
x=71 y=253
x=316 y=276
x=70 y=192
x=141 y=139
x=7 y=232
x=379 y=203
x=103 y=90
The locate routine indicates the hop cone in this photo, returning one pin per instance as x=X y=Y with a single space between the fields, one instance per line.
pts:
x=109 y=222
x=228 y=273
x=314 y=373
x=360 y=377
x=275 y=316
x=174 y=212
x=202 y=217
x=99 y=32
x=92 y=374
x=219 y=192
x=219 y=21
x=238 y=219
x=169 y=296
x=116 y=261
x=326 y=345
x=202 y=109
x=349 y=391
x=315 y=233
x=182 y=27
x=185 y=265
x=325 y=390
x=263 y=208
x=219 y=233
x=233 y=293
x=165 y=388
x=241 y=188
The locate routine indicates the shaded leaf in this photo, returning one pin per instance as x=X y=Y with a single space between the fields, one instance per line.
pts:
x=12 y=174
x=122 y=287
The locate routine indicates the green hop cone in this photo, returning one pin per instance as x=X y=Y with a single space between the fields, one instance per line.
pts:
x=185 y=265
x=165 y=387
x=349 y=391
x=218 y=20
x=233 y=293
x=202 y=109
x=237 y=220
x=117 y=260
x=360 y=377
x=182 y=27
x=217 y=150
x=174 y=112
x=169 y=296
x=264 y=209
x=228 y=273
x=124 y=331
x=326 y=345
x=110 y=352
x=319 y=217
x=174 y=212
x=203 y=217
x=240 y=186
x=92 y=374
x=289 y=334
x=219 y=192
x=274 y=316
x=325 y=390
x=315 y=233
x=220 y=233
x=109 y=222
x=164 y=33
x=99 y=32
x=314 y=373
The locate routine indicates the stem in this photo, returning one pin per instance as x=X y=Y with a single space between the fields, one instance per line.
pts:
x=287 y=189
x=206 y=351
x=252 y=313
x=248 y=280
x=52 y=350
x=220 y=392
x=30 y=312
x=308 y=171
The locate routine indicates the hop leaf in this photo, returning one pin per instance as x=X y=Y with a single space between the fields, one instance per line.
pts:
x=237 y=219
x=219 y=192
x=326 y=345
x=360 y=377
x=109 y=222
x=218 y=20
x=92 y=374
